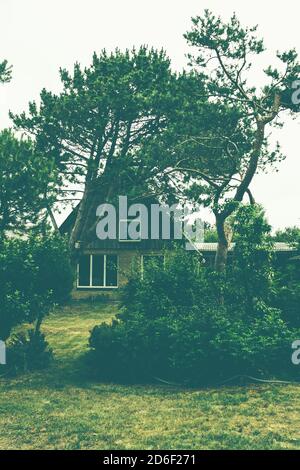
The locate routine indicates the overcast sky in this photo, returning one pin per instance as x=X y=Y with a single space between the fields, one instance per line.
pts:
x=39 y=36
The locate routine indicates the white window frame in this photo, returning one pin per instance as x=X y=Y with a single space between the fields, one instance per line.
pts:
x=122 y=240
x=90 y=286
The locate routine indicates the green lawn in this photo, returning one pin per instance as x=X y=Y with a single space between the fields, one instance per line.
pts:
x=62 y=409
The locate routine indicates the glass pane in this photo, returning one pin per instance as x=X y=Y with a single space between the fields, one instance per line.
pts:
x=84 y=270
x=111 y=270
x=98 y=270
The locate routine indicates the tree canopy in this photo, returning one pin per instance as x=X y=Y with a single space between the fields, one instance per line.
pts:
x=95 y=127
x=129 y=124
x=25 y=183
x=223 y=142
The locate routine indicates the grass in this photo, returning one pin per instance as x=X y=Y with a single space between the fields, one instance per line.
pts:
x=61 y=409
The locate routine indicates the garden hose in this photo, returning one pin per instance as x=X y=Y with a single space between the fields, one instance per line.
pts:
x=231 y=379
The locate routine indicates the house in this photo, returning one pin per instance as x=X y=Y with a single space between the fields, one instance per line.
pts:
x=283 y=251
x=103 y=265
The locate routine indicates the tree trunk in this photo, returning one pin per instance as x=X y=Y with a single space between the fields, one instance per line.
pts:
x=53 y=220
x=98 y=190
x=80 y=218
x=224 y=239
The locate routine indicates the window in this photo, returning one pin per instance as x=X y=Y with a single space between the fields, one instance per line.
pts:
x=97 y=271
x=148 y=260
x=111 y=271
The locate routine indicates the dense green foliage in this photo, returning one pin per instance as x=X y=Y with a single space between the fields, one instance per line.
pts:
x=289 y=235
x=34 y=274
x=189 y=324
x=25 y=180
x=287 y=293
x=27 y=351
x=172 y=326
x=250 y=278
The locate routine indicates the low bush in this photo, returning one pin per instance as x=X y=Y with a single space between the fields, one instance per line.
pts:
x=188 y=324
x=26 y=351
x=173 y=326
x=287 y=292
